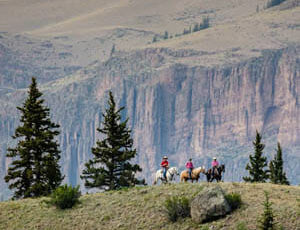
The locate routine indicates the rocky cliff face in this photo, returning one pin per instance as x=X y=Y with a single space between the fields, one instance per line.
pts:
x=176 y=109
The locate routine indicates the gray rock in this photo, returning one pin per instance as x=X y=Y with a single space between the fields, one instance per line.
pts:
x=209 y=204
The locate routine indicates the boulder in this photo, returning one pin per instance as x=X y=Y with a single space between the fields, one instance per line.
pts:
x=209 y=204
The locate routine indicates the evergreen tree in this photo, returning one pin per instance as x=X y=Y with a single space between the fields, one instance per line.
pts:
x=266 y=221
x=110 y=167
x=196 y=27
x=166 y=35
x=257 y=163
x=35 y=170
x=272 y=3
x=277 y=175
x=204 y=24
x=185 y=31
x=154 y=39
x=113 y=50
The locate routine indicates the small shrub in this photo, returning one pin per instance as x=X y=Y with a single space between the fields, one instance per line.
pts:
x=234 y=200
x=241 y=226
x=205 y=227
x=65 y=196
x=266 y=221
x=177 y=207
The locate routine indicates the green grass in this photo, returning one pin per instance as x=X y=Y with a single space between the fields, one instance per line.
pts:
x=143 y=208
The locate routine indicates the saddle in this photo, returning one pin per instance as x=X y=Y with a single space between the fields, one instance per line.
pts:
x=187 y=172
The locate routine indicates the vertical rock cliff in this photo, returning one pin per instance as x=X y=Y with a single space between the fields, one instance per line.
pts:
x=176 y=109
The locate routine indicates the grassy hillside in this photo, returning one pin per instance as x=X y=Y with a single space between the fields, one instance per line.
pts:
x=142 y=208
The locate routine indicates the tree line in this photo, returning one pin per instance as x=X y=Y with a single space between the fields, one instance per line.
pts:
x=197 y=27
x=35 y=169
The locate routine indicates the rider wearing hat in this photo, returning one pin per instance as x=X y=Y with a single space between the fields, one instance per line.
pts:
x=165 y=165
x=189 y=165
x=215 y=165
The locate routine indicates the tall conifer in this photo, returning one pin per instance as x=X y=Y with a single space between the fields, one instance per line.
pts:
x=277 y=175
x=257 y=163
x=34 y=170
x=110 y=167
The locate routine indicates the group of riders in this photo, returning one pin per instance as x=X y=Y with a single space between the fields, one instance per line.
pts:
x=189 y=166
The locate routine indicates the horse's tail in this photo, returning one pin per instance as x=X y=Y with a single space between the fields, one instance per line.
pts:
x=155 y=181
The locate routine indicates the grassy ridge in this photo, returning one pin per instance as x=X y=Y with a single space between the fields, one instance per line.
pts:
x=142 y=208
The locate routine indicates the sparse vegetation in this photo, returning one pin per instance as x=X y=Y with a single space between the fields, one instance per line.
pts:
x=65 y=196
x=234 y=200
x=177 y=207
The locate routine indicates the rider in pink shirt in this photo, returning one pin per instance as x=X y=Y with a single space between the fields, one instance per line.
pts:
x=189 y=165
x=215 y=165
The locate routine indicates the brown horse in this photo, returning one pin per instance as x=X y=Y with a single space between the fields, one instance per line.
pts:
x=217 y=174
x=184 y=175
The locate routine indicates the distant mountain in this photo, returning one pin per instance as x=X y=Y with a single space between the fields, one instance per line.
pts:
x=196 y=95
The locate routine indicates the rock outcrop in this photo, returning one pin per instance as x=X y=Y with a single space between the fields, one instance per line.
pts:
x=209 y=204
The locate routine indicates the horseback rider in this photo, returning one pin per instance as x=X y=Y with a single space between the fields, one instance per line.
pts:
x=215 y=166
x=165 y=165
x=189 y=165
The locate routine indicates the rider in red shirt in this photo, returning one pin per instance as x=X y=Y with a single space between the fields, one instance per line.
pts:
x=165 y=165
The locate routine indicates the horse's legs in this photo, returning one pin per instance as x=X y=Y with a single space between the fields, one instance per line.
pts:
x=207 y=177
x=155 y=181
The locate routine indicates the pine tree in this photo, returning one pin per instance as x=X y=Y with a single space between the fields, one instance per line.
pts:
x=113 y=49
x=277 y=175
x=166 y=35
x=204 y=24
x=154 y=39
x=257 y=163
x=266 y=221
x=110 y=167
x=196 y=27
x=35 y=170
